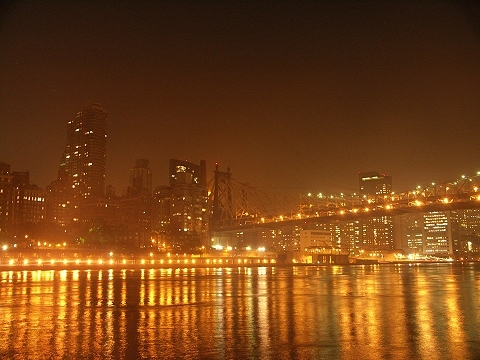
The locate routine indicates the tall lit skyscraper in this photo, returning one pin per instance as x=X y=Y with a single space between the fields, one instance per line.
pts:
x=377 y=232
x=85 y=153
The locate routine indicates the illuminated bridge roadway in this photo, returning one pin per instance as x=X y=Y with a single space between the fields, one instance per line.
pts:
x=238 y=206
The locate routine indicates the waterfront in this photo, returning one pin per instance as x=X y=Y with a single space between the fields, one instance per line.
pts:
x=388 y=311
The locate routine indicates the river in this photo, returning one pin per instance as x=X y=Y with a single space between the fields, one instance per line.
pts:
x=387 y=311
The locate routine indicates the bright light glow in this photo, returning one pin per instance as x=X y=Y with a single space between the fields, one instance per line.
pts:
x=445 y=200
x=10 y=262
x=229 y=248
x=124 y=261
x=418 y=203
x=142 y=261
x=218 y=247
x=110 y=253
x=248 y=248
x=89 y=261
x=261 y=248
x=39 y=261
x=110 y=261
x=77 y=261
x=100 y=261
x=4 y=247
x=65 y=261
x=25 y=262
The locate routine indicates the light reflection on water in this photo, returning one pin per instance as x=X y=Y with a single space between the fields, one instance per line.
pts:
x=428 y=311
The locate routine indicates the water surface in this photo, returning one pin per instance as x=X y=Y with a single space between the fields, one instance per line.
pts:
x=427 y=311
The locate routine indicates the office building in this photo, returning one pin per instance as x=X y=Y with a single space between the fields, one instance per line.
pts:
x=438 y=233
x=184 y=172
x=372 y=184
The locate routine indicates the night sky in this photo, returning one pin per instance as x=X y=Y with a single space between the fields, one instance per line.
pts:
x=294 y=97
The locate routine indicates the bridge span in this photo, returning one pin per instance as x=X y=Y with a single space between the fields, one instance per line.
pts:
x=237 y=206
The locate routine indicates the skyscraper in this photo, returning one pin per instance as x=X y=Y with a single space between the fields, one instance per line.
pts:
x=6 y=191
x=140 y=178
x=85 y=153
x=376 y=232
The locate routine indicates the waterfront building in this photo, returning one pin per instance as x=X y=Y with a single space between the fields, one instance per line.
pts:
x=411 y=232
x=466 y=232
x=346 y=236
x=377 y=232
x=315 y=240
x=180 y=209
x=437 y=233
x=28 y=201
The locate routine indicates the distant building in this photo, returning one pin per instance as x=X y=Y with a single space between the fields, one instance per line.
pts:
x=140 y=178
x=6 y=193
x=437 y=233
x=58 y=198
x=184 y=172
x=373 y=184
x=376 y=233
x=315 y=239
x=180 y=209
x=28 y=201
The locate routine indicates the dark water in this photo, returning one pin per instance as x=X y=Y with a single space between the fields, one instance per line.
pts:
x=428 y=311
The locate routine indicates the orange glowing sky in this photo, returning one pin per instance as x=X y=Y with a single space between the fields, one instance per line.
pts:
x=293 y=96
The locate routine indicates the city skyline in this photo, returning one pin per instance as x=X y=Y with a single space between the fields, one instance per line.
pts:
x=292 y=97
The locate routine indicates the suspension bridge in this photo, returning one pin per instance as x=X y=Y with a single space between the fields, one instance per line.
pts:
x=236 y=205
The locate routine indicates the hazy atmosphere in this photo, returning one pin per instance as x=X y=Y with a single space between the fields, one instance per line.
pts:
x=293 y=96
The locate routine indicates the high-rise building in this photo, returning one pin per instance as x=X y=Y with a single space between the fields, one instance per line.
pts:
x=438 y=233
x=140 y=178
x=85 y=153
x=373 y=184
x=180 y=209
x=184 y=172
x=6 y=191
